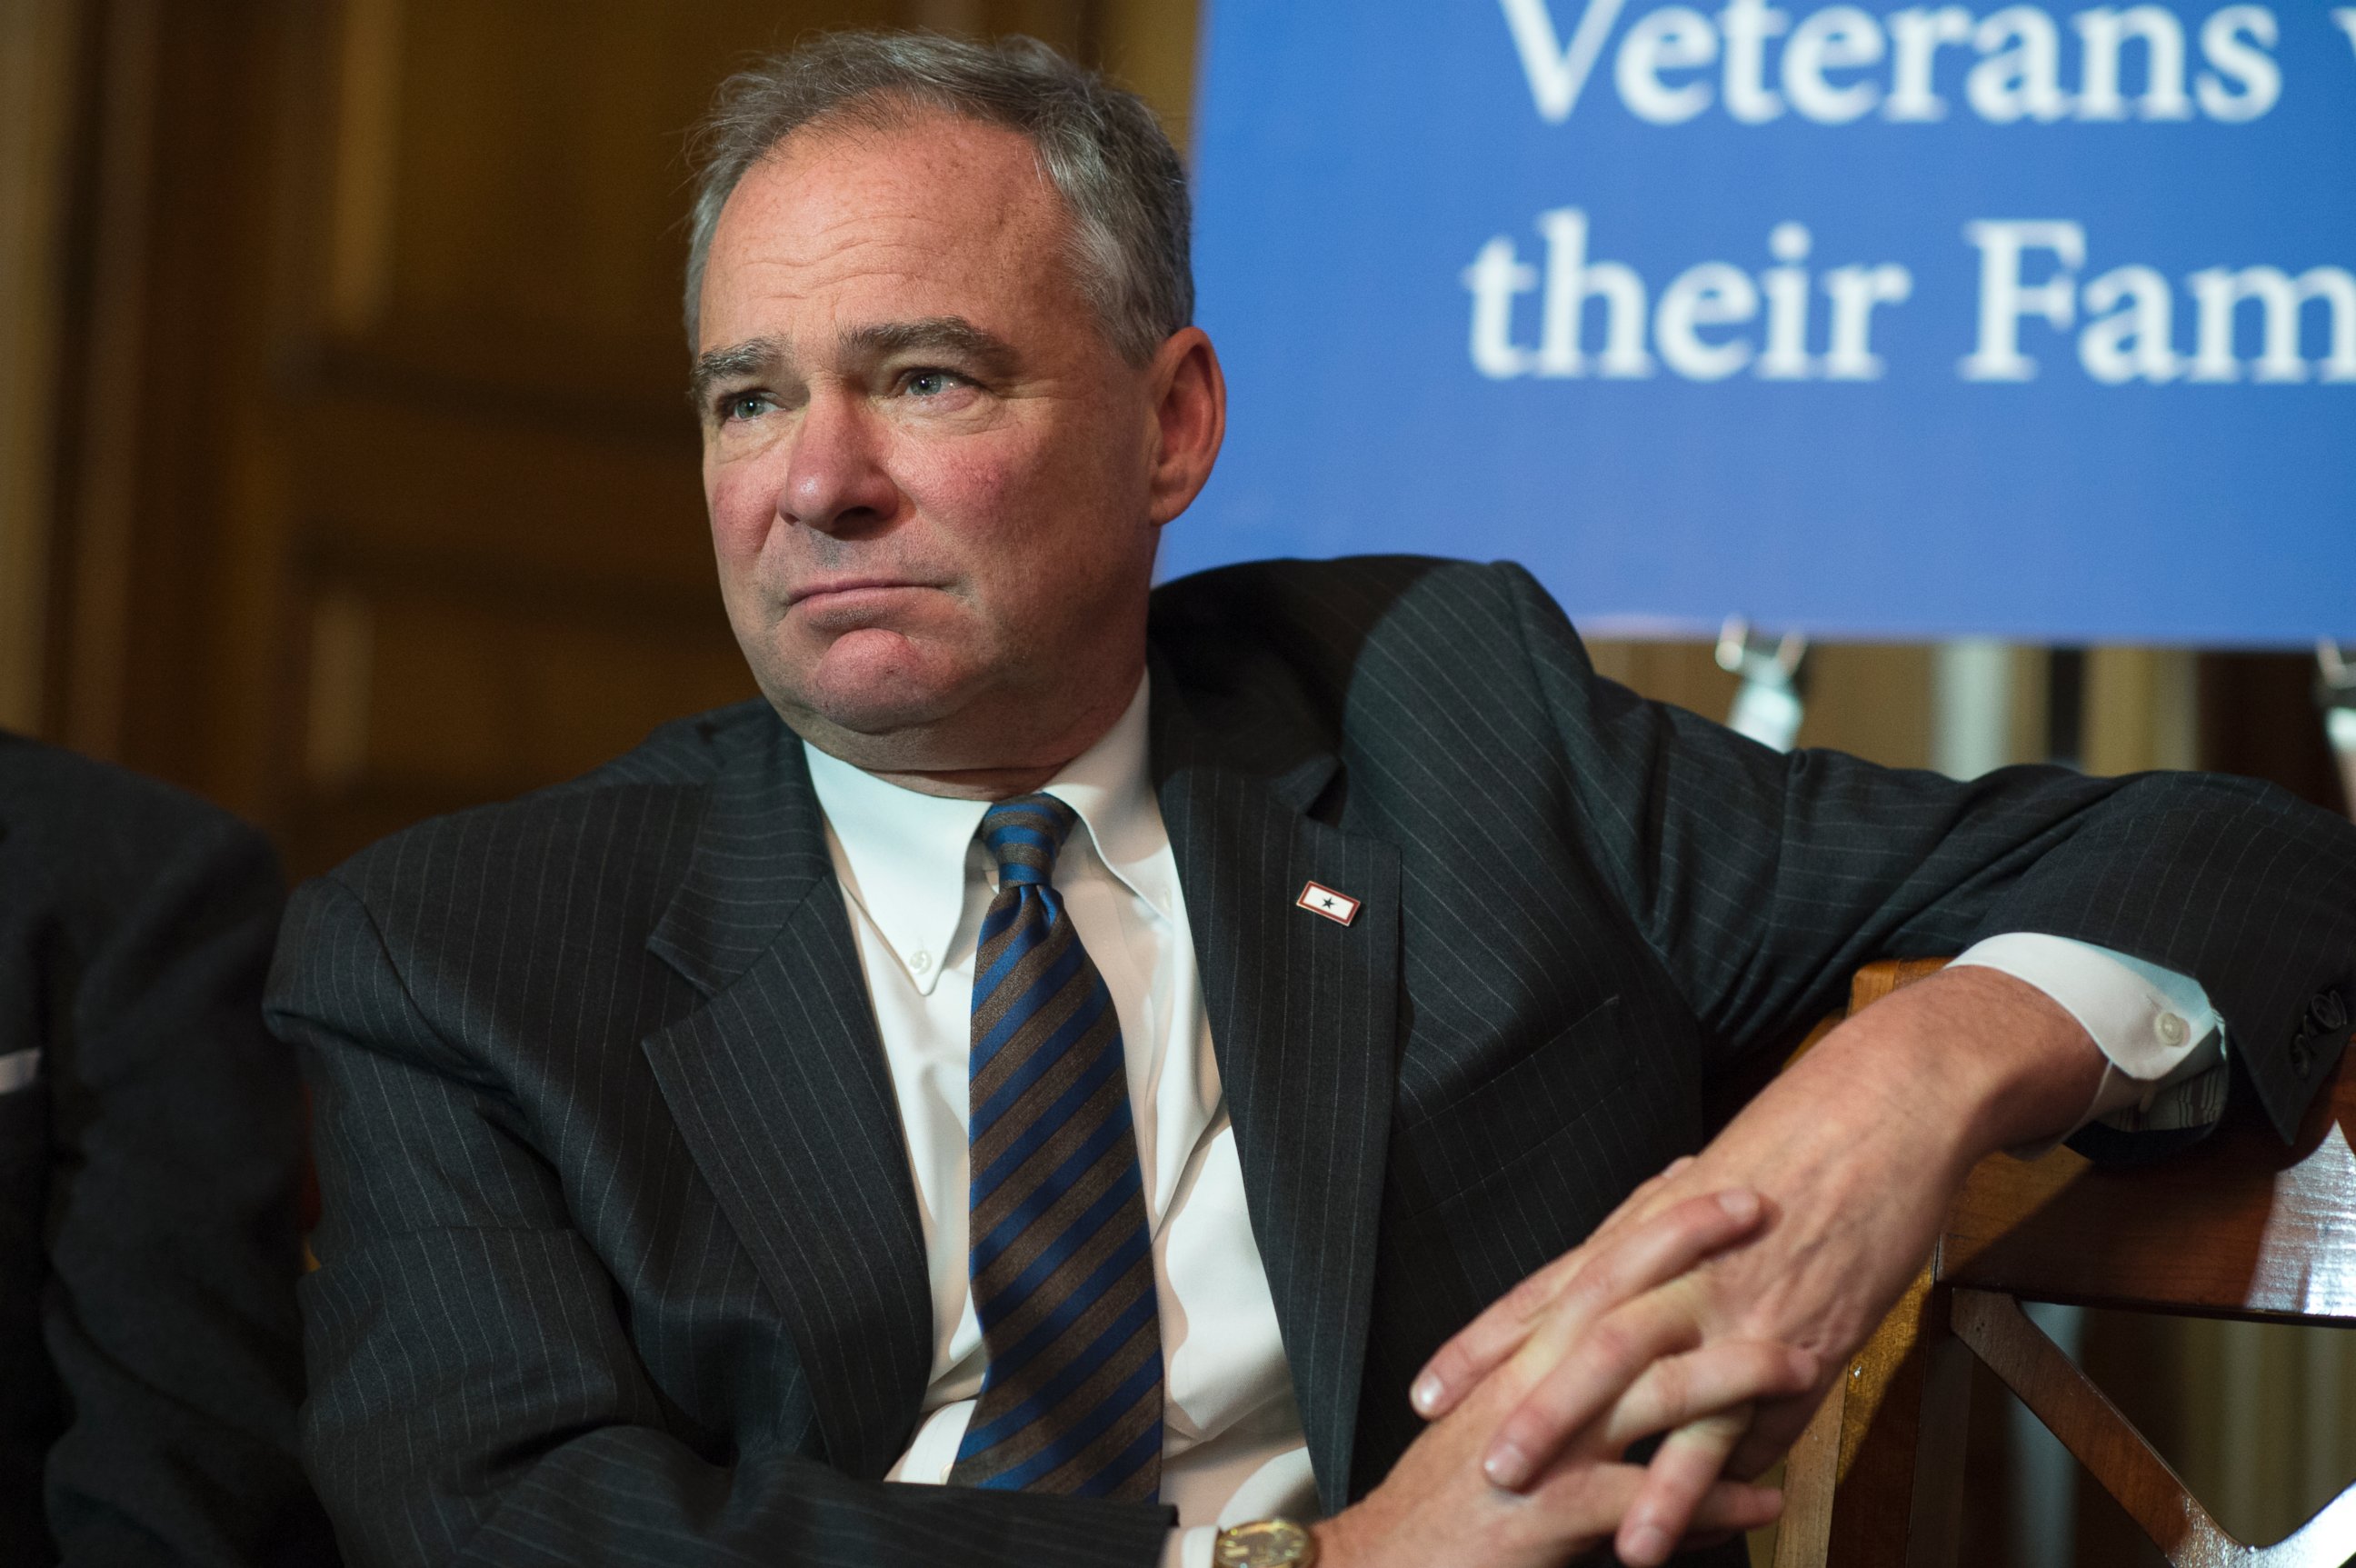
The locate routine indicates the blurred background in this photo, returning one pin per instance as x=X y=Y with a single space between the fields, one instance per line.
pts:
x=346 y=476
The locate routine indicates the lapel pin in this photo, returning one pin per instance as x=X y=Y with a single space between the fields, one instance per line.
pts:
x=1320 y=899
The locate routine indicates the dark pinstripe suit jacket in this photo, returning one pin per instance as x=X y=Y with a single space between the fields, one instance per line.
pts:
x=148 y=1249
x=622 y=1258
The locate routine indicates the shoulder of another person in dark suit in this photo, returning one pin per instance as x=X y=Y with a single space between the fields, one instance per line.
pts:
x=93 y=854
x=136 y=922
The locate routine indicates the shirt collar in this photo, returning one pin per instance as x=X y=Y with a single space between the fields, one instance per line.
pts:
x=901 y=857
x=1108 y=786
x=903 y=854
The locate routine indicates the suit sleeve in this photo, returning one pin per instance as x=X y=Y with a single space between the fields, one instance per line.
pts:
x=476 y=1397
x=172 y=1242
x=1764 y=879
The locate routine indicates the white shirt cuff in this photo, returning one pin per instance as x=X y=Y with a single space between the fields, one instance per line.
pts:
x=1190 y=1548
x=2158 y=1033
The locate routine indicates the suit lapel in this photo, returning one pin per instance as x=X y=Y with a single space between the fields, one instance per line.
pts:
x=1302 y=1013
x=779 y=1086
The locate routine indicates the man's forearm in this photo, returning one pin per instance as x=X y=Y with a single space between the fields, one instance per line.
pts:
x=1859 y=1146
x=1970 y=1060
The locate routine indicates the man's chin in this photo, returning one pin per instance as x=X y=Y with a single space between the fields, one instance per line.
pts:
x=887 y=723
x=872 y=683
x=877 y=712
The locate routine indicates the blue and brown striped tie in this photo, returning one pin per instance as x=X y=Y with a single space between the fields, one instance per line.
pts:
x=1062 y=1257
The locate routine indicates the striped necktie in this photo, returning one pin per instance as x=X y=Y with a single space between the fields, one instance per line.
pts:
x=1062 y=1258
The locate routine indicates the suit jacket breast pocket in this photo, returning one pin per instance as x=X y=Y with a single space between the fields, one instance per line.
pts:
x=1564 y=1090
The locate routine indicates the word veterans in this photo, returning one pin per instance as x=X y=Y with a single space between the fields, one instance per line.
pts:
x=2018 y=65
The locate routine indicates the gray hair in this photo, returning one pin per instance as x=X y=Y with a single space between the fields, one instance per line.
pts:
x=1101 y=146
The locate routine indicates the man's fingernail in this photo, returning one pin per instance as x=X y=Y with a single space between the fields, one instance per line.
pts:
x=1648 y=1544
x=1740 y=1204
x=1425 y=1395
x=1506 y=1466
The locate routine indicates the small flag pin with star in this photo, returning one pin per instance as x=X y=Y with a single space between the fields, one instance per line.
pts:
x=1320 y=899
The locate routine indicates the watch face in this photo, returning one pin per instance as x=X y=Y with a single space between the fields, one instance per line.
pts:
x=1268 y=1543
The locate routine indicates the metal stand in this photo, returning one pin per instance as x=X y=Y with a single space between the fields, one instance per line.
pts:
x=1772 y=700
x=2335 y=694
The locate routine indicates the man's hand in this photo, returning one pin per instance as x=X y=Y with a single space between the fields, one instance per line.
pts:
x=1436 y=1505
x=1857 y=1150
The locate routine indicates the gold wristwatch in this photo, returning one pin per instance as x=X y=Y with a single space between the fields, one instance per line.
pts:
x=1265 y=1543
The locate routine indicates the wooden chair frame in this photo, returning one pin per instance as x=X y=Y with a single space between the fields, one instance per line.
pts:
x=2238 y=1226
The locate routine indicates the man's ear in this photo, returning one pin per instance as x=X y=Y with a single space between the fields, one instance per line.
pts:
x=1190 y=415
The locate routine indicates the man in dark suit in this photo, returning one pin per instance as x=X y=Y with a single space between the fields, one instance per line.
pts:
x=149 y=1148
x=1091 y=1046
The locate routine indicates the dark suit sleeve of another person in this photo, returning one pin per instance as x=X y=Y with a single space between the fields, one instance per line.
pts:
x=166 y=1301
x=1762 y=880
x=477 y=1396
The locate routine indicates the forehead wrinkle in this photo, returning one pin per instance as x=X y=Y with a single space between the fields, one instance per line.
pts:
x=815 y=224
x=947 y=138
x=835 y=220
x=807 y=262
x=902 y=241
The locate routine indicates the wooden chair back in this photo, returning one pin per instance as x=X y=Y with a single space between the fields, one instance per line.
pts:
x=2240 y=1226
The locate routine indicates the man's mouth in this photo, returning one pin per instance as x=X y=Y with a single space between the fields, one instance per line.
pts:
x=838 y=589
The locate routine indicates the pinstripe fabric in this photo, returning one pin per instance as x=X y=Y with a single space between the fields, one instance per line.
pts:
x=1302 y=1016
x=1062 y=1257
x=621 y=1256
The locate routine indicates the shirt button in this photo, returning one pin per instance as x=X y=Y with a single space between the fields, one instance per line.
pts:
x=920 y=961
x=2171 y=1030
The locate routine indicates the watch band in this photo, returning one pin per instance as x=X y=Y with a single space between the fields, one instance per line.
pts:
x=1265 y=1543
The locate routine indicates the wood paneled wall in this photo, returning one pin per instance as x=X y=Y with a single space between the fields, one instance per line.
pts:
x=40 y=61
x=380 y=490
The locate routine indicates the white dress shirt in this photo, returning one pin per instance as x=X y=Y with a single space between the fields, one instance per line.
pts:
x=916 y=881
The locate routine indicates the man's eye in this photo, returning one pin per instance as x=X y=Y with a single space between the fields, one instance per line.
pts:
x=744 y=405
x=929 y=383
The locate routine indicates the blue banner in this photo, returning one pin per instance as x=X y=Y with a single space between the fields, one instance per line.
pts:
x=2027 y=321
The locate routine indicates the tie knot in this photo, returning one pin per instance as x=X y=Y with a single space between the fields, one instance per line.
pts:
x=1023 y=834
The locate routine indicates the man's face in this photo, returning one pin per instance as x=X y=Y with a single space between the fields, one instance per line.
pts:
x=932 y=480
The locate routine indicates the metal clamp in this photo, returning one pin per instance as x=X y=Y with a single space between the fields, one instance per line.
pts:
x=2335 y=694
x=1772 y=699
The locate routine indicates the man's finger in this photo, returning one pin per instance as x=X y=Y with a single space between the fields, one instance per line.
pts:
x=1619 y=1262
x=1499 y=1331
x=1684 y=1472
x=1484 y=1343
x=1583 y=1503
x=1639 y=1200
x=1731 y=1508
x=1718 y=1377
x=1776 y=1423
x=1587 y=1366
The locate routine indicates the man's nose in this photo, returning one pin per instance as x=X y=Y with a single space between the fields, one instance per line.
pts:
x=837 y=481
